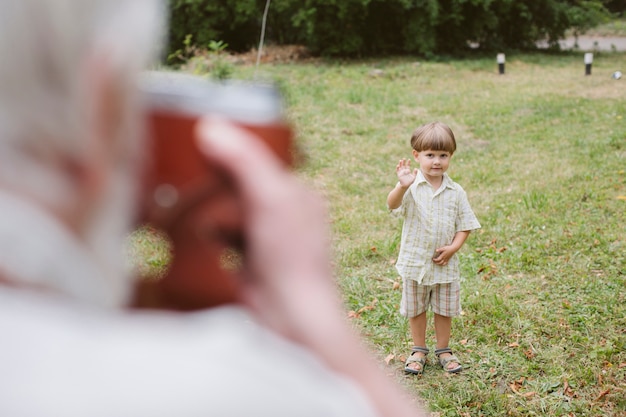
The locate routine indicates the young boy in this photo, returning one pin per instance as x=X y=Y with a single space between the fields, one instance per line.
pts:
x=437 y=221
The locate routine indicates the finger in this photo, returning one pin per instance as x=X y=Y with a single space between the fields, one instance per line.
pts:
x=240 y=153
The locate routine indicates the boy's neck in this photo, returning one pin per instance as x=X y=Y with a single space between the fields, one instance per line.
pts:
x=434 y=182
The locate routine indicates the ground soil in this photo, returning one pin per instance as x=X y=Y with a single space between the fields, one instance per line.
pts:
x=274 y=54
x=299 y=53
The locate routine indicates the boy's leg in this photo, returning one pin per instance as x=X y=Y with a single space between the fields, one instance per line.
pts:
x=418 y=334
x=415 y=299
x=443 y=327
x=446 y=304
x=418 y=329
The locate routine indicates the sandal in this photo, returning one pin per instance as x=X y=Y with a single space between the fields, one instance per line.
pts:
x=414 y=359
x=445 y=361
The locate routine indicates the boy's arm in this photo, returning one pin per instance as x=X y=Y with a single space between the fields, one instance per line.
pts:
x=446 y=252
x=405 y=179
x=394 y=199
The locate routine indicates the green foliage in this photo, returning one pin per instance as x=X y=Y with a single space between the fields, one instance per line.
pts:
x=235 y=21
x=615 y=6
x=221 y=69
x=183 y=54
x=200 y=61
x=376 y=27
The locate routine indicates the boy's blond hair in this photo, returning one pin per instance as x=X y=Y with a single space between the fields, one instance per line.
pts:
x=435 y=136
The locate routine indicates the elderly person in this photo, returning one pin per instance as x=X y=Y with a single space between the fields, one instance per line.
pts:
x=71 y=153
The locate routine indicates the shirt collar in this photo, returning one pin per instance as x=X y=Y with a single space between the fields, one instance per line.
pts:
x=446 y=182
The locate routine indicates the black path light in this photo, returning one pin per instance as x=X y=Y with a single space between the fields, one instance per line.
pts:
x=500 y=58
x=588 y=62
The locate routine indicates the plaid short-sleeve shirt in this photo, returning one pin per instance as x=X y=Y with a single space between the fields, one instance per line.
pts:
x=431 y=219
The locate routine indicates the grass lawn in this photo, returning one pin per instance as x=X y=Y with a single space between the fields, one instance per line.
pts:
x=542 y=156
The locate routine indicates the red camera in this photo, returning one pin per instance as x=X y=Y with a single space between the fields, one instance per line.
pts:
x=194 y=203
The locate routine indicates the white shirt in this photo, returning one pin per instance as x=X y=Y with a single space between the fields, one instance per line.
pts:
x=65 y=358
x=431 y=219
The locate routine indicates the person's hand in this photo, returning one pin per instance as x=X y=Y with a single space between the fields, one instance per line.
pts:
x=406 y=176
x=443 y=255
x=287 y=260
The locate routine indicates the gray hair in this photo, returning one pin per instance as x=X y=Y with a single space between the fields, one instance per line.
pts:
x=46 y=46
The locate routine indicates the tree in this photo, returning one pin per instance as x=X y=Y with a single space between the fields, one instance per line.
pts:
x=375 y=27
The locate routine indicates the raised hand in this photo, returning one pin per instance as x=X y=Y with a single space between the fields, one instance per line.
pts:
x=406 y=176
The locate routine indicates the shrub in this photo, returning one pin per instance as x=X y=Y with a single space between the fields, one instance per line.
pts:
x=234 y=22
x=375 y=27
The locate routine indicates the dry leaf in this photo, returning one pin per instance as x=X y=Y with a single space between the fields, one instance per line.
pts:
x=602 y=394
x=396 y=285
x=353 y=314
x=529 y=354
x=513 y=345
x=369 y=307
x=621 y=197
x=517 y=385
x=567 y=390
x=389 y=358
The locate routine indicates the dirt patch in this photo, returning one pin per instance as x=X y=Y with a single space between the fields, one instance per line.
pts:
x=274 y=54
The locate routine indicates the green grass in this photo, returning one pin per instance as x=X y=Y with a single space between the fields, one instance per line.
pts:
x=149 y=252
x=542 y=155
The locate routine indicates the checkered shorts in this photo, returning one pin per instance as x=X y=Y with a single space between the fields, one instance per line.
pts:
x=443 y=299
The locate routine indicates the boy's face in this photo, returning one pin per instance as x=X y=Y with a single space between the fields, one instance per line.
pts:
x=433 y=163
